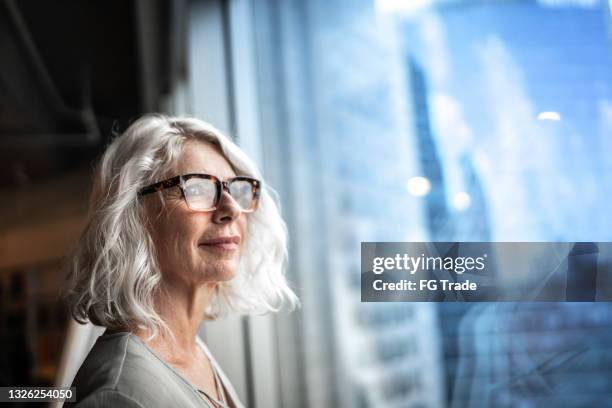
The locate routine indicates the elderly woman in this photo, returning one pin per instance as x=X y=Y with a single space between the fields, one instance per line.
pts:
x=181 y=228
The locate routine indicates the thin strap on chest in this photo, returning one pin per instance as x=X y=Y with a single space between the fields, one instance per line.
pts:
x=215 y=402
x=222 y=401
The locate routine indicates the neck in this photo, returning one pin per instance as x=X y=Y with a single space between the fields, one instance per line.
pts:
x=182 y=309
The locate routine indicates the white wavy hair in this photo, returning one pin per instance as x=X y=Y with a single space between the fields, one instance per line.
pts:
x=114 y=276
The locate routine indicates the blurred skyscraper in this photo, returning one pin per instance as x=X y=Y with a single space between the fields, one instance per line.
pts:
x=439 y=221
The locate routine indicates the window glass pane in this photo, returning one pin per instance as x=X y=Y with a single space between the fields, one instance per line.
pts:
x=441 y=121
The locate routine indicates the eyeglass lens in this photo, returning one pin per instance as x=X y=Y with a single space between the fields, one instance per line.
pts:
x=200 y=193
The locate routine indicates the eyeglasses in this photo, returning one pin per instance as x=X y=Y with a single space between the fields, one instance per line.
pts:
x=202 y=192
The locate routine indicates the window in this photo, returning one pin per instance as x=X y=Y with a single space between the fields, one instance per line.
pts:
x=454 y=120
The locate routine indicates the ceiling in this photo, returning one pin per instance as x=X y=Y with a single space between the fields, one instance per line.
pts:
x=71 y=73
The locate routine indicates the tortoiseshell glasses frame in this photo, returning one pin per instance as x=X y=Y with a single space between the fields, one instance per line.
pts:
x=208 y=202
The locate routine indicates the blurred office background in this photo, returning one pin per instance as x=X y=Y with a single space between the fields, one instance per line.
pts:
x=387 y=120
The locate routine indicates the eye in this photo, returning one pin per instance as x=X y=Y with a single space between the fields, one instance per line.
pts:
x=240 y=189
x=199 y=187
x=194 y=190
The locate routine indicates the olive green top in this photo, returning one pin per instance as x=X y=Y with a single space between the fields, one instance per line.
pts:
x=122 y=371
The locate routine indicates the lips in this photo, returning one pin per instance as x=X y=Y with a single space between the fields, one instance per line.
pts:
x=227 y=243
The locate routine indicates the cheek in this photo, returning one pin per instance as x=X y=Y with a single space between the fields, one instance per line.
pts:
x=169 y=249
x=244 y=232
x=176 y=241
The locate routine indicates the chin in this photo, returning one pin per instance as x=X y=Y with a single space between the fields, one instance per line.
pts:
x=228 y=274
x=222 y=273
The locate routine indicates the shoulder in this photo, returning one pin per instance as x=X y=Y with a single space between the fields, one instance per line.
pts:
x=109 y=361
x=120 y=368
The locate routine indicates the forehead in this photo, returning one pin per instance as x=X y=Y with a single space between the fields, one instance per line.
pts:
x=203 y=157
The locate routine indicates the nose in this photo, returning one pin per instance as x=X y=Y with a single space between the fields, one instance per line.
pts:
x=227 y=209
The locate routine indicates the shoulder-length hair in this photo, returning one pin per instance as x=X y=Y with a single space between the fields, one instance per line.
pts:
x=114 y=276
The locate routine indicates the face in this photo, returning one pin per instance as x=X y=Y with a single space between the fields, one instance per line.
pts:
x=185 y=239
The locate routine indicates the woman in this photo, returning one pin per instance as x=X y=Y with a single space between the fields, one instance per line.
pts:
x=180 y=229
